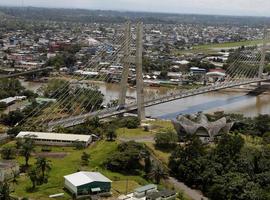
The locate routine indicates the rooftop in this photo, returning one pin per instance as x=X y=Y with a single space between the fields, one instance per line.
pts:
x=145 y=188
x=54 y=136
x=82 y=178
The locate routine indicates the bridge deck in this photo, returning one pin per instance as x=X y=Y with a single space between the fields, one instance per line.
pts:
x=69 y=122
x=26 y=72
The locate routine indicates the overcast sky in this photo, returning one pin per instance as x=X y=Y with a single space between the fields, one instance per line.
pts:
x=227 y=7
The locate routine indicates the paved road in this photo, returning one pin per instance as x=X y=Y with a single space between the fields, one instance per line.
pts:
x=194 y=194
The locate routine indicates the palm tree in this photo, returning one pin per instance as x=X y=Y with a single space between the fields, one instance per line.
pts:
x=8 y=153
x=5 y=191
x=14 y=178
x=158 y=173
x=26 y=149
x=85 y=158
x=43 y=165
x=111 y=134
x=33 y=175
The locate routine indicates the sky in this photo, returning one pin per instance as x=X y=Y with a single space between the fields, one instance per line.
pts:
x=223 y=7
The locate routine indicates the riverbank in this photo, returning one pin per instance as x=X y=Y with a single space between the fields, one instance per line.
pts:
x=230 y=100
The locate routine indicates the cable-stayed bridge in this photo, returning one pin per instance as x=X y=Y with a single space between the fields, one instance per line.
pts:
x=246 y=67
x=72 y=121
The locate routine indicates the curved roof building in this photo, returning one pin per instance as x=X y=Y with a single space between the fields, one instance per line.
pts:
x=201 y=126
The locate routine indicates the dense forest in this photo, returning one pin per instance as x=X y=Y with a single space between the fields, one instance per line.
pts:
x=235 y=167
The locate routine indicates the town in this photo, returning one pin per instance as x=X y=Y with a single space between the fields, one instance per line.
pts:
x=85 y=107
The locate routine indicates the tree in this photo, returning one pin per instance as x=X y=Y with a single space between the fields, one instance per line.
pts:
x=33 y=175
x=158 y=173
x=93 y=122
x=5 y=191
x=266 y=138
x=55 y=88
x=79 y=145
x=262 y=123
x=26 y=148
x=10 y=88
x=85 y=158
x=12 y=118
x=111 y=134
x=185 y=160
x=15 y=177
x=8 y=153
x=130 y=122
x=3 y=106
x=127 y=158
x=44 y=166
x=228 y=148
x=163 y=75
x=166 y=139
x=147 y=165
x=14 y=131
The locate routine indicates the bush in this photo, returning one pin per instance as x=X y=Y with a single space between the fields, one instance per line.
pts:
x=130 y=122
x=3 y=106
x=8 y=153
x=166 y=139
x=79 y=145
x=14 y=131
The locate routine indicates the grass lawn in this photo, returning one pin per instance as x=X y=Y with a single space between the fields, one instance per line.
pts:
x=162 y=124
x=133 y=133
x=71 y=163
x=213 y=48
x=140 y=133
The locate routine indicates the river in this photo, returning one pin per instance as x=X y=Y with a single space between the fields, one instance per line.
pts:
x=228 y=101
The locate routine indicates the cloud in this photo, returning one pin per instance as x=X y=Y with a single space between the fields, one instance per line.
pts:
x=228 y=7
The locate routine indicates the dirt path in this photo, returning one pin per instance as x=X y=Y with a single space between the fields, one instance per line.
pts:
x=138 y=139
x=193 y=194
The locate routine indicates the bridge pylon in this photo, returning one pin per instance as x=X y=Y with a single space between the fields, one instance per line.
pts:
x=139 y=74
x=263 y=52
x=127 y=60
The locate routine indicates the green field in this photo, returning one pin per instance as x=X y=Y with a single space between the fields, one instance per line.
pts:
x=213 y=48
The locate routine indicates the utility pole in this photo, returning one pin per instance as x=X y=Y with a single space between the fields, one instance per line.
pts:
x=126 y=59
x=139 y=74
x=263 y=52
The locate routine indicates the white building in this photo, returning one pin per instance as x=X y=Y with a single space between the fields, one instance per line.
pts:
x=56 y=139
x=11 y=100
x=82 y=183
